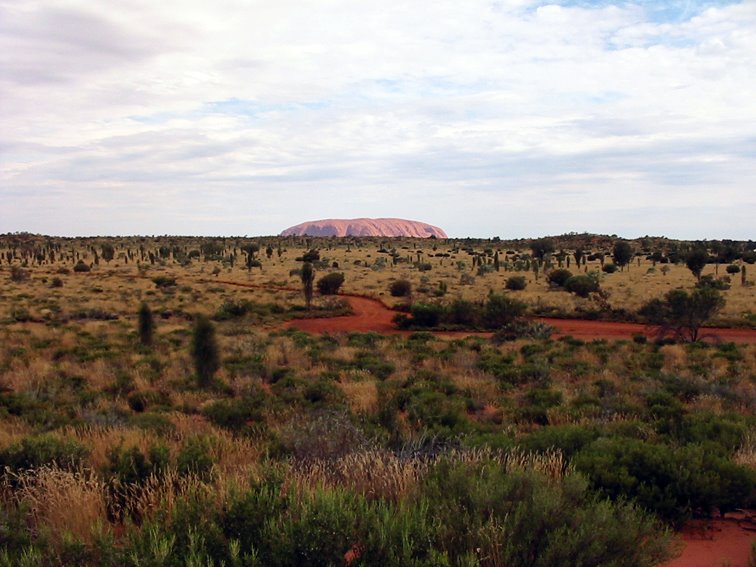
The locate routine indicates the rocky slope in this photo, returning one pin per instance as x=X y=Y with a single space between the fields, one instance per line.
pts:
x=365 y=227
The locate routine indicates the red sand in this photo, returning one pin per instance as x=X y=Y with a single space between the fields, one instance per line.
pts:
x=715 y=543
x=372 y=315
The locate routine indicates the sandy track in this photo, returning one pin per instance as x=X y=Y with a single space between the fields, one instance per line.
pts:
x=373 y=315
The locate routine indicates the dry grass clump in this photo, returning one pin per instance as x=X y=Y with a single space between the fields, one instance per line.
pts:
x=361 y=395
x=746 y=454
x=59 y=502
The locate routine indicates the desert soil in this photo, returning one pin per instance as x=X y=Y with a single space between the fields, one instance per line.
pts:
x=372 y=315
x=715 y=543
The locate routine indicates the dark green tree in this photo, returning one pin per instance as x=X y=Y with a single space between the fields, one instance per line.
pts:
x=541 y=247
x=108 y=252
x=682 y=314
x=307 y=275
x=622 y=253
x=146 y=324
x=330 y=283
x=205 y=352
x=696 y=261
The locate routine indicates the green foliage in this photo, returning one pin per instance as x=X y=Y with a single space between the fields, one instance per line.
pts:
x=81 y=267
x=426 y=314
x=733 y=269
x=671 y=482
x=204 y=350
x=609 y=268
x=516 y=283
x=400 y=288
x=330 y=284
x=195 y=457
x=501 y=310
x=622 y=253
x=307 y=276
x=696 y=260
x=164 y=282
x=146 y=325
x=681 y=313
x=581 y=285
x=559 y=277
x=38 y=450
x=523 y=518
x=542 y=246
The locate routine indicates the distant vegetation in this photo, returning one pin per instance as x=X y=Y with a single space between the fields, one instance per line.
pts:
x=156 y=410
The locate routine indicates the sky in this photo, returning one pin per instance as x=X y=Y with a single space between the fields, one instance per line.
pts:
x=512 y=118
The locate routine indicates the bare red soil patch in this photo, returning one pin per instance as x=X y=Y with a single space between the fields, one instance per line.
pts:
x=714 y=543
x=372 y=315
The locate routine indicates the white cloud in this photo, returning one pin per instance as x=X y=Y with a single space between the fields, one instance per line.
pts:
x=506 y=118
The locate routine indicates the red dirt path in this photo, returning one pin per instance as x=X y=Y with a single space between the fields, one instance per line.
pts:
x=372 y=315
x=715 y=543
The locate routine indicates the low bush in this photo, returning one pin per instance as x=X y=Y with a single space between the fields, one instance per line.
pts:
x=609 y=268
x=516 y=283
x=39 y=450
x=581 y=285
x=674 y=483
x=559 y=277
x=400 y=288
x=330 y=283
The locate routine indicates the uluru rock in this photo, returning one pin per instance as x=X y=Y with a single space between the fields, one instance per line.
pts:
x=365 y=227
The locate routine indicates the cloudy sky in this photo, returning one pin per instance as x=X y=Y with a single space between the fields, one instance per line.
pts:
x=509 y=118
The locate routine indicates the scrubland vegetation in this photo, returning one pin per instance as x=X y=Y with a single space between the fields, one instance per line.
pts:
x=153 y=413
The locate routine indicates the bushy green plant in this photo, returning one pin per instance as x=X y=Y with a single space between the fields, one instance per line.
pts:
x=672 y=482
x=330 y=284
x=559 y=277
x=581 y=285
x=205 y=350
x=609 y=268
x=400 y=288
x=516 y=283
x=38 y=450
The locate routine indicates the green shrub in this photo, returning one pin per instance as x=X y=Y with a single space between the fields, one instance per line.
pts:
x=581 y=285
x=81 y=267
x=330 y=284
x=674 y=483
x=516 y=283
x=501 y=310
x=733 y=269
x=39 y=450
x=609 y=268
x=237 y=414
x=195 y=457
x=559 y=277
x=426 y=314
x=522 y=518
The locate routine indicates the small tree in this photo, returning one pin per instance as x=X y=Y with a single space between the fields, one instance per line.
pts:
x=696 y=261
x=330 y=283
x=205 y=351
x=146 y=325
x=681 y=313
x=107 y=253
x=541 y=247
x=307 y=275
x=622 y=253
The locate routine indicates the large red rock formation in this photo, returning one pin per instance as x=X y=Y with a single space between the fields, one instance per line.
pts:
x=365 y=227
